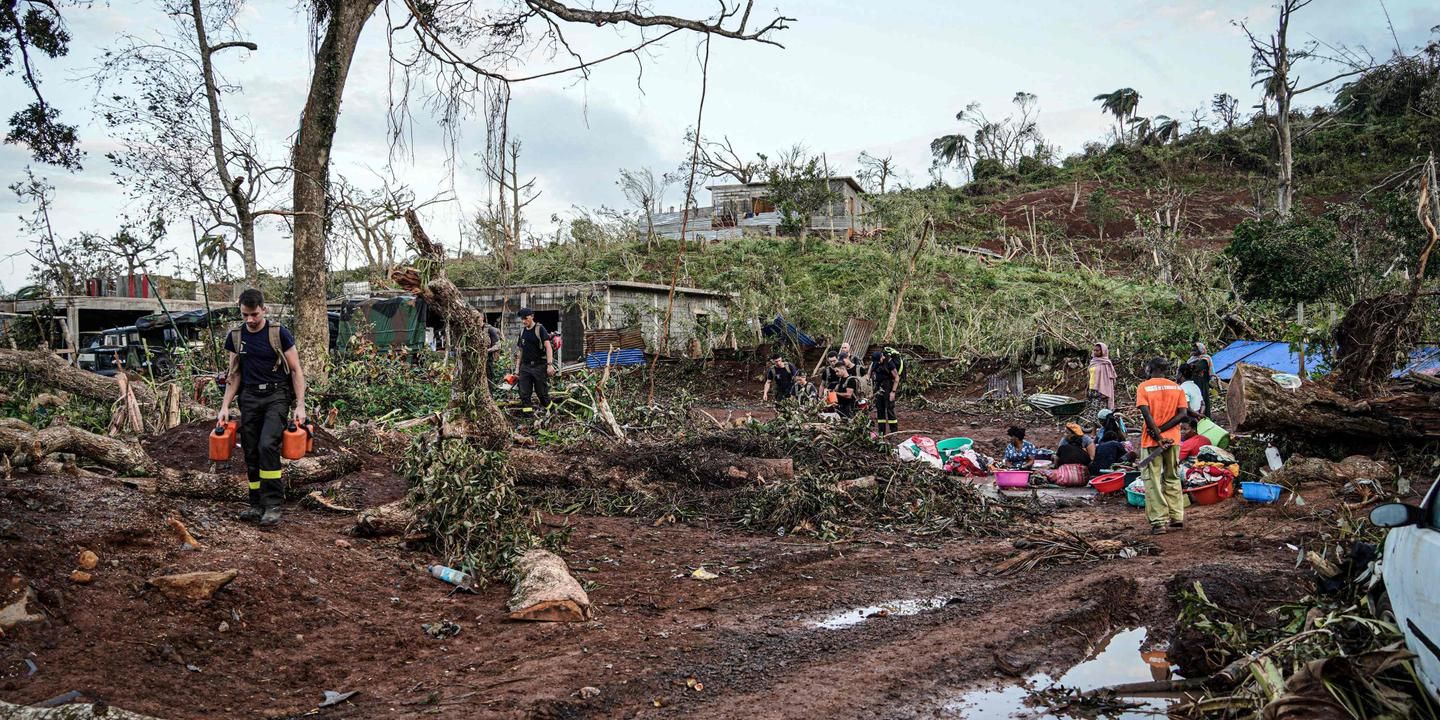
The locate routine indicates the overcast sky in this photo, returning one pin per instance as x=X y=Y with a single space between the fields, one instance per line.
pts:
x=886 y=77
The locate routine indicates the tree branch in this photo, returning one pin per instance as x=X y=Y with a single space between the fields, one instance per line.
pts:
x=630 y=17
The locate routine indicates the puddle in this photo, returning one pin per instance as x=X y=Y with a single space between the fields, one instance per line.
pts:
x=1118 y=661
x=894 y=608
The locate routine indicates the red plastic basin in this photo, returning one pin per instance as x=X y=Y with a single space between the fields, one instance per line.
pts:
x=1205 y=494
x=1108 y=483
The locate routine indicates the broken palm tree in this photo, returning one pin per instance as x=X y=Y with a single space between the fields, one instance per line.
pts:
x=1055 y=546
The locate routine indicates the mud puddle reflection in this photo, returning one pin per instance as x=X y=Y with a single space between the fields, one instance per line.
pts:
x=1120 y=660
x=894 y=608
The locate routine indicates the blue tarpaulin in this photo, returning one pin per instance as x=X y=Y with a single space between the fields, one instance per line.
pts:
x=618 y=357
x=784 y=329
x=1271 y=354
x=1424 y=360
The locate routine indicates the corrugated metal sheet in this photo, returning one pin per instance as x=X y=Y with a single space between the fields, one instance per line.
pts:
x=858 y=333
x=619 y=357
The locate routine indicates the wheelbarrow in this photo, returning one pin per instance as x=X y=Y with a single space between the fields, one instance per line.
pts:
x=1060 y=406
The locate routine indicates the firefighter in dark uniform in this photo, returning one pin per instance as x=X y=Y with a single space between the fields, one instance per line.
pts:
x=536 y=362
x=271 y=387
x=885 y=375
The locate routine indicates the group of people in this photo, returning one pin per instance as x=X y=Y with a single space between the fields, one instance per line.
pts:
x=1172 y=407
x=1194 y=376
x=842 y=384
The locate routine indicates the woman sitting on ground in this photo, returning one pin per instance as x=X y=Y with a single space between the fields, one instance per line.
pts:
x=1191 y=441
x=1072 y=461
x=1110 y=450
x=1019 y=452
x=1087 y=443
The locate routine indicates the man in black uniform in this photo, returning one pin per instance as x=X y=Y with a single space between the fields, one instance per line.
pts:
x=782 y=375
x=885 y=376
x=265 y=372
x=828 y=377
x=847 y=388
x=536 y=362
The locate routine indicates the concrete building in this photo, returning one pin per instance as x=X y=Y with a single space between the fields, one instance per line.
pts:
x=746 y=209
x=574 y=310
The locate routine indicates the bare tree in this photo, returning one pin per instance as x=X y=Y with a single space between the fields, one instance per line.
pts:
x=1272 y=62
x=181 y=151
x=373 y=218
x=1226 y=107
x=719 y=159
x=507 y=214
x=1005 y=141
x=645 y=191
x=60 y=265
x=875 y=171
x=136 y=251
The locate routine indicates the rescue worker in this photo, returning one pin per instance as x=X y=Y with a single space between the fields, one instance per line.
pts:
x=846 y=391
x=536 y=361
x=886 y=378
x=782 y=375
x=827 y=372
x=265 y=372
x=492 y=353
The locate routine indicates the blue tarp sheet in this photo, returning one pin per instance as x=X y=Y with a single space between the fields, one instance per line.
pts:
x=618 y=357
x=787 y=330
x=1265 y=353
x=1424 y=360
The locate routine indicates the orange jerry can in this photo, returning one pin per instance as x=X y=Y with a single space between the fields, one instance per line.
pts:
x=222 y=442
x=832 y=398
x=293 y=444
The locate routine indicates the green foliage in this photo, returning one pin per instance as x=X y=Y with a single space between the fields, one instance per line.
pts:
x=1101 y=209
x=1300 y=260
x=465 y=496
x=800 y=188
x=19 y=401
x=368 y=384
x=28 y=29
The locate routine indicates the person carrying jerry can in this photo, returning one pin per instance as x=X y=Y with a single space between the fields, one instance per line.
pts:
x=265 y=372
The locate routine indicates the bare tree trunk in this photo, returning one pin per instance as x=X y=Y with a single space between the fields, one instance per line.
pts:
x=889 y=333
x=1285 y=180
x=217 y=143
x=311 y=159
x=476 y=415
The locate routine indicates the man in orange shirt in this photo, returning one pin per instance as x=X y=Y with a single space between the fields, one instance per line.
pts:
x=1163 y=405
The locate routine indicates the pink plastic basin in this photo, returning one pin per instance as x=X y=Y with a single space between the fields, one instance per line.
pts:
x=1012 y=478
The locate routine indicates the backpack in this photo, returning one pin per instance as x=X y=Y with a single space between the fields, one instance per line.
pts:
x=274 y=337
x=899 y=360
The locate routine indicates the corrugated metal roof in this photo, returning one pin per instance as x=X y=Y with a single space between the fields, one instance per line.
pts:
x=1424 y=360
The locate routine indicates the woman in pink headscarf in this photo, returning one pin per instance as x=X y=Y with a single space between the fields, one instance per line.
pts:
x=1102 y=376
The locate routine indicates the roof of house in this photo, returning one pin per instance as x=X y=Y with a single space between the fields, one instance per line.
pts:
x=848 y=180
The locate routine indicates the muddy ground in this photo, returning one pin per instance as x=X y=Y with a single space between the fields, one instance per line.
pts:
x=315 y=609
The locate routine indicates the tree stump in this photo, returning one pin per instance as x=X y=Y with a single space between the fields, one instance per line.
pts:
x=1256 y=403
x=546 y=591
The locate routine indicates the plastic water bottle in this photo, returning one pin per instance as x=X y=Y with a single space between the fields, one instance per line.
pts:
x=450 y=575
x=1272 y=457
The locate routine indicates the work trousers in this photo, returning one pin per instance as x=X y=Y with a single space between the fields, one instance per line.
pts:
x=1164 y=498
x=885 y=421
x=533 y=378
x=263 y=416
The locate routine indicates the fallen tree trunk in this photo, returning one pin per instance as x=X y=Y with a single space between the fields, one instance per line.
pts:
x=1300 y=470
x=48 y=369
x=79 y=711
x=1256 y=403
x=546 y=591
x=30 y=448
x=631 y=468
x=392 y=518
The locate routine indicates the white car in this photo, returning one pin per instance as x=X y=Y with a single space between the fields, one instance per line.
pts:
x=1410 y=568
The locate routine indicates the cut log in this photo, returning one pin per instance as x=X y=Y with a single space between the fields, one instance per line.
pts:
x=1256 y=403
x=545 y=590
x=77 y=711
x=194 y=585
x=389 y=519
x=634 y=466
x=221 y=486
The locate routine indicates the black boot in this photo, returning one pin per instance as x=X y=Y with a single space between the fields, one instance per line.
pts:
x=252 y=513
x=271 y=516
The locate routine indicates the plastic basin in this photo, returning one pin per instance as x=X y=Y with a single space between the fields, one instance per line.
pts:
x=1205 y=494
x=1260 y=492
x=1134 y=498
x=1108 y=483
x=950 y=446
x=1012 y=478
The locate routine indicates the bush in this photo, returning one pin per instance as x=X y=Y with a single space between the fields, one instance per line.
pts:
x=1300 y=260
